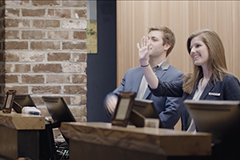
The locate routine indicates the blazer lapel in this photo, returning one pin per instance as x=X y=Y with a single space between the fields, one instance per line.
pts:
x=137 y=80
x=207 y=89
x=160 y=73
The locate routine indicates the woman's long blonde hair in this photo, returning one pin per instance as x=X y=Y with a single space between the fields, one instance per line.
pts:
x=216 y=61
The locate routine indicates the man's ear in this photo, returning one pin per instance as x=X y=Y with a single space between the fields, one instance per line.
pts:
x=166 y=46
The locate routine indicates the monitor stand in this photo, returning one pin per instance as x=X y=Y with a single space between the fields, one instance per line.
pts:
x=47 y=143
x=136 y=118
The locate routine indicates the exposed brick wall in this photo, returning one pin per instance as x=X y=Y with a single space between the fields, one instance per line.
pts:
x=2 y=63
x=45 y=50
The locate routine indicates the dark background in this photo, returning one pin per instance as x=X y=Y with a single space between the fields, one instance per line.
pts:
x=101 y=67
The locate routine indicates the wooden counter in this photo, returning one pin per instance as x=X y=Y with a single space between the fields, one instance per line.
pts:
x=20 y=135
x=104 y=141
x=22 y=121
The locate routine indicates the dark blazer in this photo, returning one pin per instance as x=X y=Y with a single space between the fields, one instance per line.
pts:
x=228 y=89
x=169 y=108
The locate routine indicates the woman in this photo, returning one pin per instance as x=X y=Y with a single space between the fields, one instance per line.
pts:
x=209 y=80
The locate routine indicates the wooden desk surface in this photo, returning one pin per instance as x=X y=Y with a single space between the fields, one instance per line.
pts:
x=151 y=140
x=22 y=121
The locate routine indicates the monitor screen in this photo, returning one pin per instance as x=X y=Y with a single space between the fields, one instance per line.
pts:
x=59 y=112
x=58 y=109
x=146 y=108
x=221 y=118
x=21 y=101
x=122 y=109
x=141 y=110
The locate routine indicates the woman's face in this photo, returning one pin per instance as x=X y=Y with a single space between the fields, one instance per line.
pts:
x=199 y=52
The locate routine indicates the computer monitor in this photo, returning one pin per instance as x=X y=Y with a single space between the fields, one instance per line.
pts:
x=218 y=117
x=58 y=109
x=22 y=100
x=141 y=110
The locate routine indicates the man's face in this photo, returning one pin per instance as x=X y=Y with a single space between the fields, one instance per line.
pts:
x=156 y=47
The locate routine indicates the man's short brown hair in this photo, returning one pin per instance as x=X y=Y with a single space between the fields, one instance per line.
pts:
x=168 y=36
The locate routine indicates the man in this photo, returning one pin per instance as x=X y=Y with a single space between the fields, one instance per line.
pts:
x=160 y=42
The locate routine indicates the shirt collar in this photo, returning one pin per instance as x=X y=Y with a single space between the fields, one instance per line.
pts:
x=162 y=64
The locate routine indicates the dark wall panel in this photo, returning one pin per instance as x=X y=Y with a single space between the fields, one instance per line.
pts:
x=101 y=67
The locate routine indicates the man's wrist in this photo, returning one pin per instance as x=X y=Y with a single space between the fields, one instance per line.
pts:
x=145 y=65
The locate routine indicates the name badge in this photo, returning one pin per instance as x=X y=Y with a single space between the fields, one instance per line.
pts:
x=214 y=94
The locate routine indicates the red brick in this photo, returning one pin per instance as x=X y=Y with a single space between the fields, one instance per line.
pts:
x=38 y=101
x=79 y=57
x=81 y=119
x=58 y=56
x=82 y=13
x=83 y=100
x=32 y=79
x=58 y=79
x=17 y=2
x=67 y=99
x=11 y=57
x=12 y=12
x=44 y=110
x=74 y=3
x=79 y=79
x=19 y=89
x=33 y=34
x=33 y=12
x=12 y=34
x=47 y=68
x=8 y=68
x=11 y=79
x=45 y=45
x=80 y=35
x=58 y=35
x=17 y=23
x=46 y=89
x=74 y=45
x=73 y=89
x=80 y=100
x=33 y=56
x=62 y=13
x=45 y=2
x=11 y=22
x=16 y=45
x=22 y=68
x=79 y=24
x=46 y=23
x=74 y=67
x=78 y=111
